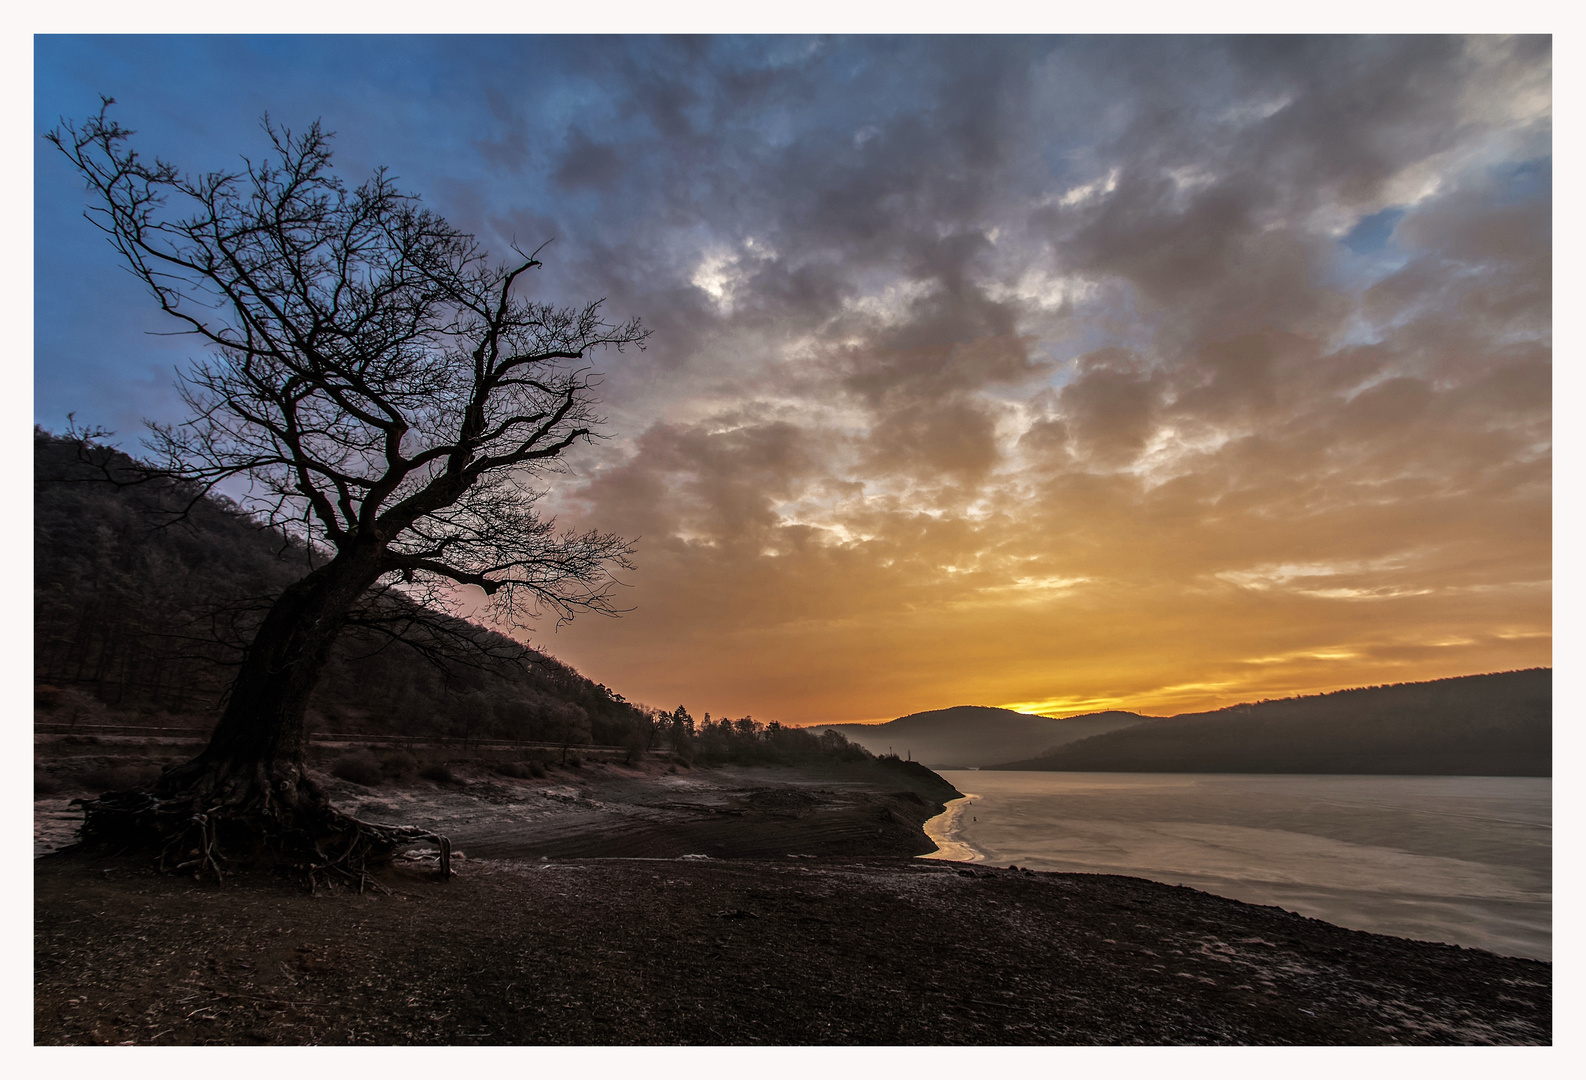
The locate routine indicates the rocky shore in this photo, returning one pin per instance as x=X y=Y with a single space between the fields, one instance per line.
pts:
x=768 y=917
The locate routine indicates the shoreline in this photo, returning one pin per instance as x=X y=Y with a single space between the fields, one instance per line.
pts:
x=943 y=831
x=608 y=810
x=583 y=913
x=1452 y=859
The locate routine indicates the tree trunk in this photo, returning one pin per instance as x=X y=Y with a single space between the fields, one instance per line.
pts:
x=247 y=795
x=256 y=754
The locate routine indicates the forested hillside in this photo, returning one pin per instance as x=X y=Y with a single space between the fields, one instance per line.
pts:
x=141 y=614
x=1477 y=725
x=147 y=614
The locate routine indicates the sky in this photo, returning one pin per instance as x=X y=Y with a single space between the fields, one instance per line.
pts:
x=1059 y=374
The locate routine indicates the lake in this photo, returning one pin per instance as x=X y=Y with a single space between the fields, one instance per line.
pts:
x=1465 y=860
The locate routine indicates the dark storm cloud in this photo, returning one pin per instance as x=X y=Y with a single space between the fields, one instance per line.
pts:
x=1208 y=219
x=510 y=149
x=953 y=437
x=1111 y=405
x=588 y=164
x=931 y=369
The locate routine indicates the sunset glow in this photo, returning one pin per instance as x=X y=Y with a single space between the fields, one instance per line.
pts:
x=1056 y=375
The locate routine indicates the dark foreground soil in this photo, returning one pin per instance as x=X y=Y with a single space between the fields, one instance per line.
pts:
x=770 y=905
x=826 y=949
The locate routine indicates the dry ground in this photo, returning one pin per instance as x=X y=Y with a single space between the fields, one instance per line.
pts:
x=695 y=951
x=812 y=938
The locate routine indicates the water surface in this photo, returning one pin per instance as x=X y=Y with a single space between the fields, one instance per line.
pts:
x=1460 y=859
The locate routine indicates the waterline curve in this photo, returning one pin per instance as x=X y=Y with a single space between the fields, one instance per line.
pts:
x=943 y=831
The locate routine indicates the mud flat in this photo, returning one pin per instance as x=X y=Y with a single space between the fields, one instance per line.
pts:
x=791 y=933
x=610 y=811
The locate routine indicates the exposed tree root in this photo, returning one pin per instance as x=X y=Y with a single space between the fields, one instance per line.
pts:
x=203 y=823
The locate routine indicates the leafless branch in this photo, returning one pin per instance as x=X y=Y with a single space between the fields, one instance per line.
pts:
x=376 y=381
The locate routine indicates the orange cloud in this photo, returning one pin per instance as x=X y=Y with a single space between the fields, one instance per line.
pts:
x=1258 y=405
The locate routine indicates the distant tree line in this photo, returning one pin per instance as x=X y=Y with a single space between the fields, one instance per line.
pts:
x=746 y=741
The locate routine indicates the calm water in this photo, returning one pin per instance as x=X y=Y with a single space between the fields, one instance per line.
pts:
x=1461 y=859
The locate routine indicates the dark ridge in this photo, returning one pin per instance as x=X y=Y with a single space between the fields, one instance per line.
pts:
x=146 y=615
x=1499 y=724
x=975 y=735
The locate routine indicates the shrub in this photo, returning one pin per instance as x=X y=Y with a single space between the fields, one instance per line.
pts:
x=636 y=747
x=76 y=707
x=399 y=764
x=360 y=767
x=438 y=771
x=124 y=777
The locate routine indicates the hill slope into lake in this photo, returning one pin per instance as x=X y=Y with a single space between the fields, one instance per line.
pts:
x=1477 y=725
x=969 y=736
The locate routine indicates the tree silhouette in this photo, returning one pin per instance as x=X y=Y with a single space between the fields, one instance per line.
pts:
x=383 y=391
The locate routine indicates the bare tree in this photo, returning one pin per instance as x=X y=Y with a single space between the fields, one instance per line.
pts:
x=384 y=391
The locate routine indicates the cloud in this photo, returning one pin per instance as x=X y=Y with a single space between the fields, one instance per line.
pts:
x=588 y=164
x=953 y=437
x=1155 y=372
x=1158 y=372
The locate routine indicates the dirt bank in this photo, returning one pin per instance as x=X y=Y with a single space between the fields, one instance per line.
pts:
x=604 y=810
x=760 y=912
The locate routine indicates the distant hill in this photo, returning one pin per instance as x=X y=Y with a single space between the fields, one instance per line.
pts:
x=1476 y=725
x=149 y=620
x=969 y=736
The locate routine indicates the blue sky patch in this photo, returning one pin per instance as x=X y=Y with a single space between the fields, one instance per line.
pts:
x=1372 y=233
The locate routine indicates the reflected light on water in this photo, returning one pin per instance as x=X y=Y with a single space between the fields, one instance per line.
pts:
x=1461 y=859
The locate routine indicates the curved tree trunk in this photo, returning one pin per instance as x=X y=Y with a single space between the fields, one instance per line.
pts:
x=255 y=757
x=263 y=723
x=248 y=793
